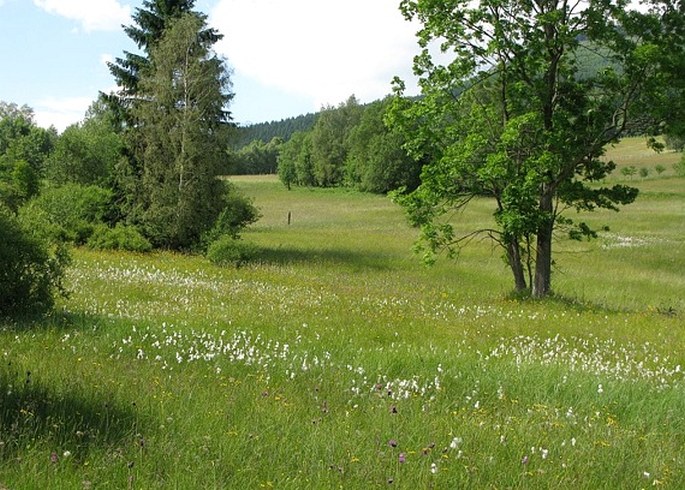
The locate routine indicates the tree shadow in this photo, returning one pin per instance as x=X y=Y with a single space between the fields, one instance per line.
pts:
x=584 y=305
x=58 y=320
x=354 y=259
x=73 y=420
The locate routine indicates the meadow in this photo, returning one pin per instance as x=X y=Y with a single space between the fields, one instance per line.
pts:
x=337 y=360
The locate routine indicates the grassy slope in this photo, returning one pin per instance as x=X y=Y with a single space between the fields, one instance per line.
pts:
x=341 y=362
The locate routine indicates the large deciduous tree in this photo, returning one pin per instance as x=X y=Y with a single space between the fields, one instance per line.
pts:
x=506 y=113
x=179 y=136
x=330 y=141
x=375 y=159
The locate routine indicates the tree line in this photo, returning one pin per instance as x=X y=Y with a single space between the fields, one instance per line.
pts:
x=350 y=145
x=270 y=130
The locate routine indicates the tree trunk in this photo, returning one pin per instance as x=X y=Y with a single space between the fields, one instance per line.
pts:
x=514 y=258
x=543 y=258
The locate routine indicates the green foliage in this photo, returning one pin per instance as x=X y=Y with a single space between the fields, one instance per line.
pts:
x=121 y=237
x=351 y=146
x=18 y=182
x=267 y=131
x=330 y=142
x=150 y=23
x=72 y=211
x=31 y=270
x=21 y=139
x=629 y=171
x=238 y=212
x=86 y=153
x=24 y=148
x=529 y=128
x=674 y=142
x=376 y=161
x=295 y=161
x=257 y=158
x=179 y=142
x=230 y=251
x=660 y=169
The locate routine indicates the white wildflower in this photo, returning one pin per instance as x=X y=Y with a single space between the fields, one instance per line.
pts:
x=456 y=442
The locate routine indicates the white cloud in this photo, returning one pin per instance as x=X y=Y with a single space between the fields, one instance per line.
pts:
x=61 y=112
x=320 y=49
x=100 y=15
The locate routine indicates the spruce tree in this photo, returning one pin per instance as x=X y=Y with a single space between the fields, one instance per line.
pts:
x=149 y=23
x=179 y=136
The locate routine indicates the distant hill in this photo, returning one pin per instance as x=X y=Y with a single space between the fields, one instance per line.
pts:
x=590 y=61
x=268 y=130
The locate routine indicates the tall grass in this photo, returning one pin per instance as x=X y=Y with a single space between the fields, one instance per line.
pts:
x=338 y=361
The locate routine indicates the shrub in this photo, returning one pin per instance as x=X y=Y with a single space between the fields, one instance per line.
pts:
x=74 y=208
x=228 y=250
x=121 y=237
x=660 y=169
x=34 y=217
x=644 y=172
x=238 y=212
x=629 y=171
x=31 y=270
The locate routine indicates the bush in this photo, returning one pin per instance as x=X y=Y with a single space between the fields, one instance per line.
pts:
x=74 y=208
x=231 y=251
x=238 y=212
x=18 y=182
x=31 y=270
x=33 y=217
x=121 y=237
x=629 y=171
x=644 y=172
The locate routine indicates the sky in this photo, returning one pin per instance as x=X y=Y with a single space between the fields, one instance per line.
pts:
x=288 y=57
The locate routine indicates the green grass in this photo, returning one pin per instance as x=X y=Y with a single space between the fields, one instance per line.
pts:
x=339 y=361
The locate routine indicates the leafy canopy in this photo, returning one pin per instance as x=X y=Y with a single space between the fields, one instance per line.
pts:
x=505 y=113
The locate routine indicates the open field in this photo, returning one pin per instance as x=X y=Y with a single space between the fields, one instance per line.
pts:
x=339 y=361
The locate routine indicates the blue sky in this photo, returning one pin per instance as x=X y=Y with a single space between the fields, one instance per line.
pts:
x=288 y=57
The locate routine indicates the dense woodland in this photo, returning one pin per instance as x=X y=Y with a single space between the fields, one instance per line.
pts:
x=267 y=131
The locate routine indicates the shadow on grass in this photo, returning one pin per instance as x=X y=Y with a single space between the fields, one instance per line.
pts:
x=58 y=320
x=354 y=259
x=582 y=305
x=73 y=420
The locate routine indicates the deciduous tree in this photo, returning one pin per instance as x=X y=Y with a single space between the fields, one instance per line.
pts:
x=507 y=115
x=329 y=141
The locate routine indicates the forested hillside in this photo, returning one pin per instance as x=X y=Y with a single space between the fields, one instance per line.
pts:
x=267 y=131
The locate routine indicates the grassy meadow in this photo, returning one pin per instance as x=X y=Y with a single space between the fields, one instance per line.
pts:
x=339 y=361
